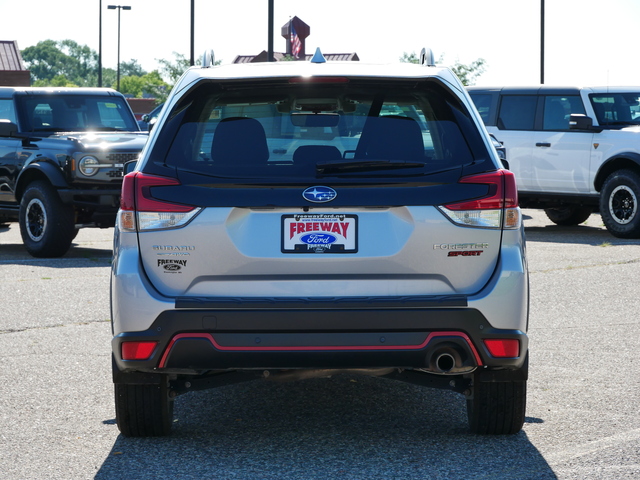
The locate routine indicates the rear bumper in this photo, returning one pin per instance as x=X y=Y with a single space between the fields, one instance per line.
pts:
x=194 y=335
x=337 y=333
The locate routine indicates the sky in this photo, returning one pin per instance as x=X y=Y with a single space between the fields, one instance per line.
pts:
x=587 y=42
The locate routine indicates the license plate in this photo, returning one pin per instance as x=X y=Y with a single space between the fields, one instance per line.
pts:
x=319 y=233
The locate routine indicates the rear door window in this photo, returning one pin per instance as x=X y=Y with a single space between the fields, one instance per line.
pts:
x=517 y=112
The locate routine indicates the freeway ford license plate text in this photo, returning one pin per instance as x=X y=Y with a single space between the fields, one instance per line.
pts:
x=319 y=233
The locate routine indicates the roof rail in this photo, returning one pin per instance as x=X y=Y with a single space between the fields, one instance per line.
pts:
x=426 y=58
x=208 y=59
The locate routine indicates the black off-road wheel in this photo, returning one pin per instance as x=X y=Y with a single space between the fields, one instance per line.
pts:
x=46 y=224
x=144 y=410
x=620 y=204
x=497 y=408
x=568 y=216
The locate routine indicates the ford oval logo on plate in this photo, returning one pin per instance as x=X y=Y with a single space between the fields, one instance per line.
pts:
x=319 y=194
x=318 y=239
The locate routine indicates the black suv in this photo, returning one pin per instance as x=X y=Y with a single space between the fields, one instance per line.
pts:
x=61 y=161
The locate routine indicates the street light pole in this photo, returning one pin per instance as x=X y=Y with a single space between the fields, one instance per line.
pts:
x=270 y=32
x=100 y=45
x=119 y=7
x=192 y=59
x=542 y=42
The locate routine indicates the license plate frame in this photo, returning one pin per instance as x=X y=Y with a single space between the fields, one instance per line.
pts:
x=319 y=233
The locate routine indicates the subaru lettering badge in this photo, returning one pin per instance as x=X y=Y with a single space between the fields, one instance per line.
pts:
x=319 y=194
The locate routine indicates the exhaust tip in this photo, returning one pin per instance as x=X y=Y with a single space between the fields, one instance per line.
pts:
x=450 y=356
x=445 y=362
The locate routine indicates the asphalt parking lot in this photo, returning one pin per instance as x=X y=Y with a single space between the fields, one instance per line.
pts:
x=56 y=405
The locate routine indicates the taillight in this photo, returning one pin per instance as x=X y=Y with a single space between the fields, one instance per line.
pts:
x=313 y=79
x=499 y=208
x=137 y=350
x=503 y=347
x=137 y=206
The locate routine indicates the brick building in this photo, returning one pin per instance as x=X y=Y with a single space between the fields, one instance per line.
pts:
x=12 y=70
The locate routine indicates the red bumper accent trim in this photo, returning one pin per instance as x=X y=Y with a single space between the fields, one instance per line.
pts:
x=328 y=348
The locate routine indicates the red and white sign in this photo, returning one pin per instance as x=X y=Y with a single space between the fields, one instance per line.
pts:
x=319 y=233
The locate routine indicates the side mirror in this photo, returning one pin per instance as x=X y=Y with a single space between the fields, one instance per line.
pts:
x=130 y=166
x=7 y=128
x=500 y=149
x=578 y=121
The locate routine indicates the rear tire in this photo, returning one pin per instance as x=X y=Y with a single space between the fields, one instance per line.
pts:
x=568 y=216
x=144 y=410
x=620 y=204
x=46 y=224
x=497 y=408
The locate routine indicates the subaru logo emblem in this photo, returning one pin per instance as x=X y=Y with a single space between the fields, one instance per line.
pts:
x=319 y=194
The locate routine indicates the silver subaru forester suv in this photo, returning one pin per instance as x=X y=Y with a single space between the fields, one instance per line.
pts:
x=294 y=219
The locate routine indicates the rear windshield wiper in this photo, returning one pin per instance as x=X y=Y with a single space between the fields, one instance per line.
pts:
x=365 y=166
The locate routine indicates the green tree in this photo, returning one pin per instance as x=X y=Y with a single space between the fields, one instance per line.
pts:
x=466 y=73
x=66 y=63
x=57 y=81
x=172 y=70
x=45 y=60
x=131 y=86
x=131 y=68
x=156 y=87
x=77 y=63
x=150 y=84
x=409 y=58
x=48 y=59
x=109 y=78
x=85 y=65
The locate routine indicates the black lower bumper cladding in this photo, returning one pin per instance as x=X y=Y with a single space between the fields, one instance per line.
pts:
x=301 y=334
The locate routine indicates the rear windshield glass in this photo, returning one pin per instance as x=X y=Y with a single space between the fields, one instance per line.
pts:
x=336 y=127
x=76 y=113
